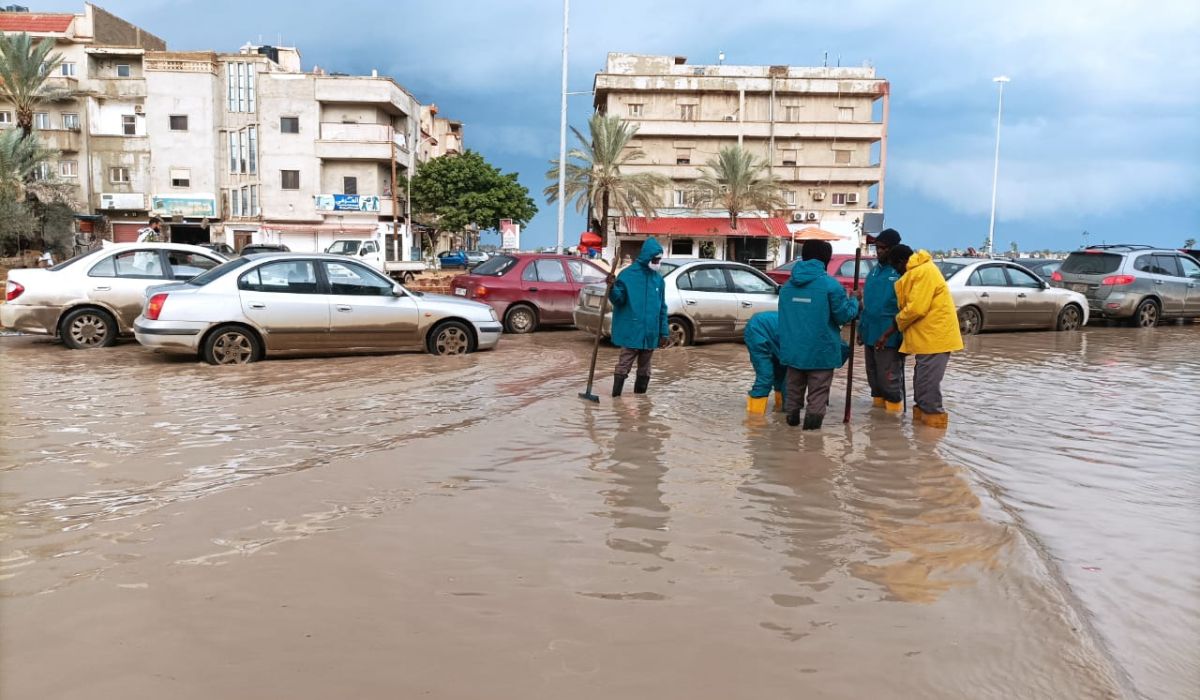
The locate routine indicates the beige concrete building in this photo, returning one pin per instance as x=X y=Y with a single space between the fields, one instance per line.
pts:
x=821 y=131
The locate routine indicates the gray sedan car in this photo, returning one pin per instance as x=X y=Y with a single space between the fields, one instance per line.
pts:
x=707 y=300
x=1000 y=295
x=279 y=303
x=91 y=299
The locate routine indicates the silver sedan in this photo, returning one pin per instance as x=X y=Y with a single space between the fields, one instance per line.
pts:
x=707 y=300
x=91 y=299
x=999 y=295
x=280 y=303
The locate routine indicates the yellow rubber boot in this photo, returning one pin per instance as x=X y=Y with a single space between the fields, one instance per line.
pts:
x=878 y=402
x=894 y=407
x=936 y=420
x=779 y=402
x=756 y=406
x=917 y=414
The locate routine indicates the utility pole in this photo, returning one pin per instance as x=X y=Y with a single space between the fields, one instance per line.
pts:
x=999 y=80
x=562 y=135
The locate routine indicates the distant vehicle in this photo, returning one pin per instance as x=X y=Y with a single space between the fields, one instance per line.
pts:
x=529 y=290
x=91 y=299
x=707 y=300
x=252 y=248
x=373 y=250
x=840 y=266
x=254 y=307
x=219 y=248
x=1001 y=295
x=453 y=259
x=1139 y=284
x=1042 y=267
x=476 y=257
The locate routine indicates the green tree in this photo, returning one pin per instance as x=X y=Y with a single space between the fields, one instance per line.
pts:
x=453 y=193
x=594 y=176
x=24 y=69
x=737 y=182
x=31 y=206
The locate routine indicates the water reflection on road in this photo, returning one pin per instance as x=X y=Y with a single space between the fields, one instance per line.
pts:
x=160 y=518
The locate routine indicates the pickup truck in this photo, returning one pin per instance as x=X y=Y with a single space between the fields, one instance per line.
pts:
x=380 y=252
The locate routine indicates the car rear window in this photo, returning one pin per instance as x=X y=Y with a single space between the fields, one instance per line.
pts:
x=949 y=269
x=70 y=261
x=205 y=277
x=1091 y=263
x=495 y=267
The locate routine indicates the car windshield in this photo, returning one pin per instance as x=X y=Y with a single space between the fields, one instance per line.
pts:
x=665 y=268
x=206 y=277
x=949 y=269
x=344 y=247
x=495 y=267
x=1089 y=263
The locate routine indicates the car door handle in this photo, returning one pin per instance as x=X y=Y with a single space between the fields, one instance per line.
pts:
x=985 y=294
x=101 y=289
x=534 y=289
x=1158 y=281
x=690 y=302
x=1021 y=295
x=344 y=308
x=255 y=305
x=747 y=304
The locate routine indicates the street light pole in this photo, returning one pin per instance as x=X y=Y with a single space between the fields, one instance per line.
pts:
x=562 y=135
x=999 y=80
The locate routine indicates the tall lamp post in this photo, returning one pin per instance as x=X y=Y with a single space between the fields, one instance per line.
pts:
x=562 y=135
x=999 y=80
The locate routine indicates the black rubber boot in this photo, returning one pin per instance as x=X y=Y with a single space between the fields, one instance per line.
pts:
x=618 y=384
x=640 y=384
x=812 y=422
x=793 y=418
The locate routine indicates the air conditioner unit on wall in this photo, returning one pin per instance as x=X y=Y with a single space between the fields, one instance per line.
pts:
x=139 y=109
x=818 y=195
x=812 y=216
x=852 y=198
x=728 y=117
x=797 y=216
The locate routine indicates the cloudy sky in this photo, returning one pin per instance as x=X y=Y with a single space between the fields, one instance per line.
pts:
x=1100 y=126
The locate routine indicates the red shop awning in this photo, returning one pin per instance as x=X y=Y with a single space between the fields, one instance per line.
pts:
x=706 y=226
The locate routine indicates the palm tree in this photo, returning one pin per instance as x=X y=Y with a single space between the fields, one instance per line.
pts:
x=594 y=174
x=736 y=181
x=24 y=68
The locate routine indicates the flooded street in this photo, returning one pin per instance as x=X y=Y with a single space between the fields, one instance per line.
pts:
x=409 y=526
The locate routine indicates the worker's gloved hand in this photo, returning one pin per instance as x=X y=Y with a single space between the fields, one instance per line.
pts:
x=610 y=280
x=664 y=341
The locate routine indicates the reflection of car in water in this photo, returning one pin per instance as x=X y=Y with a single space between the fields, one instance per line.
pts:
x=89 y=300
x=1000 y=295
x=263 y=305
x=706 y=300
x=529 y=290
x=1136 y=283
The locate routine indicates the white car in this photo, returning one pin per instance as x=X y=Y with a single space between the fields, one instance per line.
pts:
x=92 y=298
x=1000 y=295
x=279 y=303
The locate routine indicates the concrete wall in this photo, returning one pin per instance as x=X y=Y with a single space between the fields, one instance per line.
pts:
x=288 y=94
x=114 y=31
x=191 y=94
x=107 y=118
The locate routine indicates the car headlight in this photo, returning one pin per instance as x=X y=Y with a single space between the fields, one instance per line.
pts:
x=492 y=313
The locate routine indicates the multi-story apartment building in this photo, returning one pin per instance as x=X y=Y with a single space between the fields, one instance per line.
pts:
x=439 y=136
x=822 y=132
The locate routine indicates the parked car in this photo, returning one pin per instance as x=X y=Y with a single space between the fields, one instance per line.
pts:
x=221 y=248
x=263 y=305
x=840 y=266
x=476 y=257
x=1135 y=283
x=707 y=300
x=253 y=248
x=1001 y=295
x=529 y=290
x=91 y=299
x=453 y=260
x=1042 y=267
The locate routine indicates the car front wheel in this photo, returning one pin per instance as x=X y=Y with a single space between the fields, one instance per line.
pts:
x=1070 y=318
x=231 y=345
x=84 y=329
x=970 y=321
x=451 y=338
x=680 y=332
x=1147 y=315
x=520 y=319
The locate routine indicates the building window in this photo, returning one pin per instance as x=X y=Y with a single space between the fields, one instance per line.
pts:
x=68 y=168
x=789 y=197
x=250 y=88
x=845 y=114
x=635 y=110
x=241 y=87
x=839 y=199
x=252 y=148
x=841 y=157
x=41 y=171
x=118 y=176
x=237 y=203
x=789 y=158
x=680 y=199
x=243 y=151
x=289 y=179
x=179 y=122
x=181 y=177
x=683 y=156
x=123 y=70
x=70 y=121
x=41 y=120
x=254 y=200
x=66 y=70
x=349 y=185
x=233 y=152
x=239 y=77
x=246 y=202
x=687 y=113
x=231 y=81
x=129 y=124
x=289 y=125
x=791 y=113
x=5 y=117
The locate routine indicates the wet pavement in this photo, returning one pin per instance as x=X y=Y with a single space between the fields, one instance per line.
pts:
x=409 y=526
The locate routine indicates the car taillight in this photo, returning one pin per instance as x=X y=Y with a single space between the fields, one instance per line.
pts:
x=155 y=305
x=12 y=290
x=1118 y=280
x=481 y=292
x=1056 y=277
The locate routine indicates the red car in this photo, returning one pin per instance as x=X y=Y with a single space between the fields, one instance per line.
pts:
x=529 y=290
x=840 y=266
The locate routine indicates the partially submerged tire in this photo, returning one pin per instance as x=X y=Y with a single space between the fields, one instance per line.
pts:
x=970 y=320
x=1147 y=314
x=680 y=332
x=85 y=329
x=231 y=345
x=520 y=318
x=451 y=338
x=1070 y=318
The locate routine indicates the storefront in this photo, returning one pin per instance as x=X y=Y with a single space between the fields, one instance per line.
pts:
x=756 y=241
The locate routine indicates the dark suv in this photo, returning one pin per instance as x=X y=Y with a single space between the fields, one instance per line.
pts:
x=1137 y=283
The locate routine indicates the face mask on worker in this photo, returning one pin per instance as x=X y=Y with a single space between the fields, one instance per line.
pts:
x=655 y=263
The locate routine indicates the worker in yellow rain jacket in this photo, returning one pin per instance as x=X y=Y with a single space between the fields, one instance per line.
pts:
x=929 y=322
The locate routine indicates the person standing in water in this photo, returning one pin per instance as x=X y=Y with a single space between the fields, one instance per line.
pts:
x=883 y=359
x=639 y=319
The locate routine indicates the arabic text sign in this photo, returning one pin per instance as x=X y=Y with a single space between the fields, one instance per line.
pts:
x=185 y=206
x=510 y=235
x=347 y=202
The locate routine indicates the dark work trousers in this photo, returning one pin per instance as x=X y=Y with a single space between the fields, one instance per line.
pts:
x=625 y=362
x=814 y=382
x=927 y=382
x=885 y=373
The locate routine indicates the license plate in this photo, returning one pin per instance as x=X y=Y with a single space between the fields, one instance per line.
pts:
x=461 y=291
x=1081 y=288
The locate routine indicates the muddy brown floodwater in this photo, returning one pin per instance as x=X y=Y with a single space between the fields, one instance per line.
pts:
x=408 y=526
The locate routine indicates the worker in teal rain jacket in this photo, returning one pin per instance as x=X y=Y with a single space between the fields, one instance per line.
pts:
x=639 y=320
x=881 y=353
x=762 y=341
x=812 y=309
